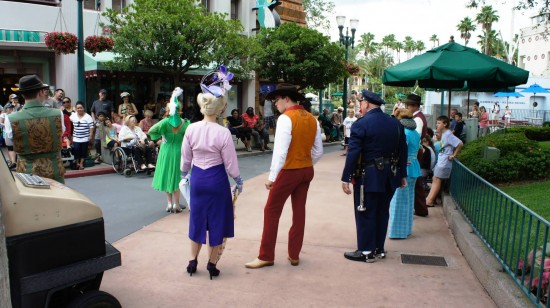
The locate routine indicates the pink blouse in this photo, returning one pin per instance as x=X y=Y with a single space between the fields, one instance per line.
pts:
x=207 y=144
x=483 y=119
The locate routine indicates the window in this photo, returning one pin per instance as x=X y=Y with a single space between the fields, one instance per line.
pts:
x=118 y=5
x=91 y=4
x=235 y=9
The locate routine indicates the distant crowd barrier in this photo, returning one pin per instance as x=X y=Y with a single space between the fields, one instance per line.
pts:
x=515 y=235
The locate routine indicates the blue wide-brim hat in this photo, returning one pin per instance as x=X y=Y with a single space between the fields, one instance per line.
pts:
x=372 y=97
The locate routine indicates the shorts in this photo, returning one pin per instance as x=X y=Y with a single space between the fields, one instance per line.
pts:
x=270 y=122
x=111 y=144
x=80 y=149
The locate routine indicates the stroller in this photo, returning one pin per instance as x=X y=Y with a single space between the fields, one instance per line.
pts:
x=67 y=153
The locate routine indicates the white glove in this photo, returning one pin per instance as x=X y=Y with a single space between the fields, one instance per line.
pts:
x=185 y=177
x=239 y=182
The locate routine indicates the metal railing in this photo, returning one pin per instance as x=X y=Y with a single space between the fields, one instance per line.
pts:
x=516 y=236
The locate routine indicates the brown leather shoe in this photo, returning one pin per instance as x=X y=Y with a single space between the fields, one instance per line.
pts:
x=293 y=262
x=257 y=263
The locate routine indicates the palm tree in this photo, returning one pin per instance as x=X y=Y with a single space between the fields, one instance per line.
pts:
x=419 y=46
x=398 y=46
x=466 y=27
x=434 y=39
x=367 y=44
x=490 y=42
x=388 y=41
x=409 y=46
x=486 y=18
x=378 y=63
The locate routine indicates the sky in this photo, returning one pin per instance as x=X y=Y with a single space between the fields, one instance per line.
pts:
x=422 y=18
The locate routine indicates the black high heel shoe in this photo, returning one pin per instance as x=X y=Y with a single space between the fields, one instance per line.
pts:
x=192 y=267
x=212 y=270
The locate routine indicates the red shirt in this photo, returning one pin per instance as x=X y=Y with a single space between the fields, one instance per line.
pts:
x=250 y=122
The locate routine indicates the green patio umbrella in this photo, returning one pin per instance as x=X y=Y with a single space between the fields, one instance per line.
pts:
x=453 y=66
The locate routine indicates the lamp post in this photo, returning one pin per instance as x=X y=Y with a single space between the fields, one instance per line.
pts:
x=346 y=40
x=80 y=54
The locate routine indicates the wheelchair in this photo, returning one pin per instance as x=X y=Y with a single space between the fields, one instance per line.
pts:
x=124 y=162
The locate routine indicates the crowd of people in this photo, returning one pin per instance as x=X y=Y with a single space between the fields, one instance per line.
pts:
x=388 y=158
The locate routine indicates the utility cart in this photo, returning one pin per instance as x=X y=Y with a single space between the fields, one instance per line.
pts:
x=56 y=245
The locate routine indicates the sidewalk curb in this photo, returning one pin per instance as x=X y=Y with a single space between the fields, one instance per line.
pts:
x=70 y=174
x=501 y=287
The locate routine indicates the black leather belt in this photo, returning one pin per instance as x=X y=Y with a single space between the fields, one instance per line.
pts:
x=387 y=161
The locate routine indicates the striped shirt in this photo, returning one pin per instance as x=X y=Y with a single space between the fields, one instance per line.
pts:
x=81 y=127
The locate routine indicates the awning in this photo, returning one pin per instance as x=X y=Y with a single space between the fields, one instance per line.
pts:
x=95 y=66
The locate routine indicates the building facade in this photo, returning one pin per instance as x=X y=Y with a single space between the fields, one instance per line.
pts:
x=534 y=47
x=24 y=24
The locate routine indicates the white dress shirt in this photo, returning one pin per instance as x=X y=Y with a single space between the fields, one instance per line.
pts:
x=283 y=137
x=419 y=123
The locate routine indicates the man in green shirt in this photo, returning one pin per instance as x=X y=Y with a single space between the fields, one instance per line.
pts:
x=37 y=132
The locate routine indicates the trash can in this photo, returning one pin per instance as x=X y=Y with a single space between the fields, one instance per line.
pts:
x=471 y=129
x=56 y=246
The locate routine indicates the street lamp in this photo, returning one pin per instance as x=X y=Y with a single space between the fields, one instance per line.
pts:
x=80 y=55
x=346 y=40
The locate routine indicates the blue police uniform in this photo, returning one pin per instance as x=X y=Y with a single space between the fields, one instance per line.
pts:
x=375 y=136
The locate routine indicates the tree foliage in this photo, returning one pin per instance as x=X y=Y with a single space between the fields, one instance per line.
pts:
x=300 y=56
x=317 y=12
x=466 y=26
x=486 y=17
x=174 y=36
x=542 y=6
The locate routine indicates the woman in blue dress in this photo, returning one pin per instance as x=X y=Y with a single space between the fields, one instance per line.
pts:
x=402 y=203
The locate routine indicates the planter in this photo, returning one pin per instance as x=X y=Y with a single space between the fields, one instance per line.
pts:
x=61 y=42
x=96 y=43
x=353 y=69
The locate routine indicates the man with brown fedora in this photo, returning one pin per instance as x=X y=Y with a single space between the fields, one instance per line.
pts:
x=296 y=149
x=37 y=132
x=413 y=103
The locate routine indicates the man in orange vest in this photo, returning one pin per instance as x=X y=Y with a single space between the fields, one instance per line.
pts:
x=296 y=149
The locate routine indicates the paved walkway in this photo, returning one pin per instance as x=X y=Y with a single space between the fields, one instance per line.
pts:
x=154 y=260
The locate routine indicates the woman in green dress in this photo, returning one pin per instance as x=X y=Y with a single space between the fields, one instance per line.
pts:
x=168 y=173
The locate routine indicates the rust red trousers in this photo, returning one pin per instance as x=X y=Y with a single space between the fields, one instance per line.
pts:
x=293 y=183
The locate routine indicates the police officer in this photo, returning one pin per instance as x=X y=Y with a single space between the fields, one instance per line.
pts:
x=378 y=156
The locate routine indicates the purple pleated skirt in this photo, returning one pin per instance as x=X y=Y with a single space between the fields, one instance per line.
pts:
x=211 y=206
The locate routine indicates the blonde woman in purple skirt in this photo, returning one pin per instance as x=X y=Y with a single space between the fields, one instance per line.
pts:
x=209 y=147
